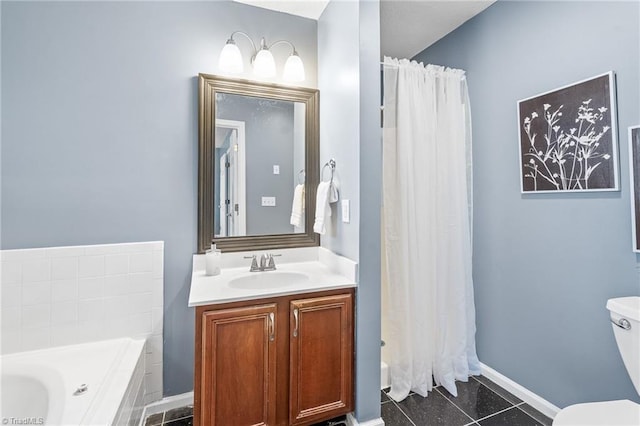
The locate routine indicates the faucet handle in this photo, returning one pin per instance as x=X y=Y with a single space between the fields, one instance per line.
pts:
x=254 y=263
x=272 y=263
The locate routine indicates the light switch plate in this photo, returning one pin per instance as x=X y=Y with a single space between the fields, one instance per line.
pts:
x=276 y=169
x=268 y=201
x=345 y=211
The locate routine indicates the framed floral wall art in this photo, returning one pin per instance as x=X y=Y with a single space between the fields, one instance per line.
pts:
x=634 y=167
x=568 y=138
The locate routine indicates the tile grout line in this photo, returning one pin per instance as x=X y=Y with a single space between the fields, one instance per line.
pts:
x=401 y=410
x=518 y=406
x=406 y=416
x=513 y=404
x=498 y=412
x=496 y=392
x=157 y=424
x=173 y=420
x=452 y=403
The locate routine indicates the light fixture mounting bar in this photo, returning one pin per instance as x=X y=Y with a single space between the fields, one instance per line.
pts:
x=248 y=38
x=293 y=48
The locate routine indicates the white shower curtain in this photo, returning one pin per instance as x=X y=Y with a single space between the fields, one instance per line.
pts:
x=427 y=227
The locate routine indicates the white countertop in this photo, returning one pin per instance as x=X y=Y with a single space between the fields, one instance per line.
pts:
x=322 y=270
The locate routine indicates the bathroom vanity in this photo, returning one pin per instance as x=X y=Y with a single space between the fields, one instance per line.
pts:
x=271 y=347
x=274 y=348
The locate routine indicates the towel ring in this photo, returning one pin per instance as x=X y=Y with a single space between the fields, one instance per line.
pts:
x=301 y=174
x=332 y=167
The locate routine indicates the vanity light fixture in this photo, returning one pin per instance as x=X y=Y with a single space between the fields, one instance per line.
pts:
x=262 y=59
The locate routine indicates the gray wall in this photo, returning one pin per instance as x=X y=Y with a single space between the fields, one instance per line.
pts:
x=369 y=292
x=99 y=129
x=338 y=81
x=269 y=141
x=545 y=265
x=348 y=75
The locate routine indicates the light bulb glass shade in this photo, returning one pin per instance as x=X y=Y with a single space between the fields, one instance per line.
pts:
x=293 y=69
x=230 y=58
x=263 y=64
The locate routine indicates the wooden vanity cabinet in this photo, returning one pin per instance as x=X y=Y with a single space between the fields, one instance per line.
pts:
x=238 y=366
x=275 y=361
x=321 y=358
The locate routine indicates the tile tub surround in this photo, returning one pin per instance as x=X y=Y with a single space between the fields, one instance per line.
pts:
x=58 y=296
x=479 y=402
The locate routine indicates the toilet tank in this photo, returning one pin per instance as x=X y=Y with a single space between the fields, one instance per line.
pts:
x=625 y=318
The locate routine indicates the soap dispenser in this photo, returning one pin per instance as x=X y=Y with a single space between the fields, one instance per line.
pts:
x=213 y=258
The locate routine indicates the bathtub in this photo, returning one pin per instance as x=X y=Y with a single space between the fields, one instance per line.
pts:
x=45 y=386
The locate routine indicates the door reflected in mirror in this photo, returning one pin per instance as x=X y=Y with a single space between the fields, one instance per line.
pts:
x=260 y=158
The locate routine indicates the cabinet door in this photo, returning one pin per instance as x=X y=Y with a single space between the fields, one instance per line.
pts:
x=321 y=358
x=238 y=380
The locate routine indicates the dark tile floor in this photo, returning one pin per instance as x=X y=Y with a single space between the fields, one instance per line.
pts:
x=182 y=416
x=480 y=402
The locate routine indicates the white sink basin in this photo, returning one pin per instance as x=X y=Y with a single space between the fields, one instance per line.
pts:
x=270 y=279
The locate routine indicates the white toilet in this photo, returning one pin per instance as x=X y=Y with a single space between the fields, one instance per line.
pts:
x=625 y=318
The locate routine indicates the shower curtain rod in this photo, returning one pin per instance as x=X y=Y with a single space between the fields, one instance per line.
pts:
x=464 y=77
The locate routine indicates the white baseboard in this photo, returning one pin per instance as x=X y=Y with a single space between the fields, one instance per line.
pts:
x=351 y=421
x=181 y=400
x=165 y=404
x=534 y=400
x=385 y=378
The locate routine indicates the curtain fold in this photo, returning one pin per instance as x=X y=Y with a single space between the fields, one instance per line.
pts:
x=427 y=227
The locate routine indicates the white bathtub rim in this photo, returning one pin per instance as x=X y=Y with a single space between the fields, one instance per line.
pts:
x=104 y=403
x=60 y=348
x=105 y=406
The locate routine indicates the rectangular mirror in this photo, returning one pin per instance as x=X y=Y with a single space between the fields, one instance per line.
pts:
x=257 y=142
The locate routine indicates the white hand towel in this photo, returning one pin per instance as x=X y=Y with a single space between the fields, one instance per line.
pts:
x=297 y=209
x=323 y=210
x=333 y=192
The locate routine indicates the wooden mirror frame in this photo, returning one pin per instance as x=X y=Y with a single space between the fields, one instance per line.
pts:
x=208 y=86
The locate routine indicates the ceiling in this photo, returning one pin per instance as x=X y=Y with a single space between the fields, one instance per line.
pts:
x=307 y=8
x=406 y=26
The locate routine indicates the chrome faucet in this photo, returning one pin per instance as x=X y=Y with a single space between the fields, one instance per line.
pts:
x=267 y=263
